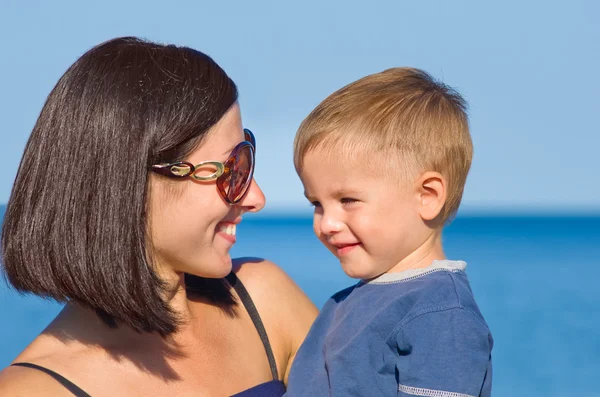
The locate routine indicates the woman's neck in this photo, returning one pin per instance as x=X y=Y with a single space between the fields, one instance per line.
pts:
x=77 y=323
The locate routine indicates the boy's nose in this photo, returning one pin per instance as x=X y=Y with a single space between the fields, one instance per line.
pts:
x=254 y=200
x=330 y=225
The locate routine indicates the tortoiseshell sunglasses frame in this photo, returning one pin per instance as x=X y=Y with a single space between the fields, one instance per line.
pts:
x=184 y=169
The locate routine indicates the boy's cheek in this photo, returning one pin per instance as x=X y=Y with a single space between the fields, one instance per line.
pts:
x=316 y=228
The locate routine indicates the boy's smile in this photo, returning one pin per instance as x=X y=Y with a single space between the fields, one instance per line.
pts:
x=370 y=222
x=343 y=249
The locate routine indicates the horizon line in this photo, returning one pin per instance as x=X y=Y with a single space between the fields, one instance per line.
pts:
x=468 y=212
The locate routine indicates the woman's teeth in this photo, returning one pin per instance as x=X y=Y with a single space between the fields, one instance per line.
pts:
x=228 y=228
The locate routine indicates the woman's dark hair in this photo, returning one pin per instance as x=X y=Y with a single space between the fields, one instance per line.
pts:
x=75 y=227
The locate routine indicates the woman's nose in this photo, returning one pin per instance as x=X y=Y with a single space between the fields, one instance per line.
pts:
x=254 y=200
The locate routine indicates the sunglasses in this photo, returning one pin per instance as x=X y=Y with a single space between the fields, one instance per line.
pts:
x=234 y=176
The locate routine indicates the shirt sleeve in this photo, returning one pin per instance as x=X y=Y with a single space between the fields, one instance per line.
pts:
x=445 y=353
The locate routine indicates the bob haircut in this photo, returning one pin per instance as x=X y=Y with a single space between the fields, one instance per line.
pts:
x=75 y=227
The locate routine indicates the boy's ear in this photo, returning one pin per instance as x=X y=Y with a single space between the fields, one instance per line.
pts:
x=432 y=194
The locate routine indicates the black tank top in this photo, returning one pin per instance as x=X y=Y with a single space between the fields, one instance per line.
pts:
x=274 y=388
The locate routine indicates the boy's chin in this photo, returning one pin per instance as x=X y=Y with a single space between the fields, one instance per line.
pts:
x=357 y=270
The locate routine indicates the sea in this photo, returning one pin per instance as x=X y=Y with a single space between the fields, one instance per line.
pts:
x=536 y=279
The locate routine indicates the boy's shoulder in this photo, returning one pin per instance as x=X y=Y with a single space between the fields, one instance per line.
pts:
x=445 y=288
x=393 y=300
x=442 y=286
x=442 y=292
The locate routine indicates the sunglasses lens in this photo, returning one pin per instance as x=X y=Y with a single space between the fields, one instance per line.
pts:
x=237 y=177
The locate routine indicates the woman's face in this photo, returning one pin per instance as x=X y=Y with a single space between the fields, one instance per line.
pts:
x=192 y=228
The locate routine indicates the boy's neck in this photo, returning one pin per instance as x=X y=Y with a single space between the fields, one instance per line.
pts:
x=424 y=255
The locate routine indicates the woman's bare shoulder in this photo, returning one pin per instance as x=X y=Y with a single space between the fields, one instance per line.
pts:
x=285 y=309
x=270 y=286
x=22 y=381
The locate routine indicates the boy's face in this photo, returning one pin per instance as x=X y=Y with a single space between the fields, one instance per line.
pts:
x=368 y=219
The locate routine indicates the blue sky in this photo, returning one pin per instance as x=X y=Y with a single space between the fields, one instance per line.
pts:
x=530 y=71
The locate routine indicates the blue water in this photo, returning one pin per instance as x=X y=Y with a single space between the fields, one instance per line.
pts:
x=535 y=278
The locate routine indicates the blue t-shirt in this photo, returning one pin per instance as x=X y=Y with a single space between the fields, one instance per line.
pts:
x=413 y=333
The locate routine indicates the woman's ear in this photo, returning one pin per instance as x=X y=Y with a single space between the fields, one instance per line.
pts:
x=432 y=194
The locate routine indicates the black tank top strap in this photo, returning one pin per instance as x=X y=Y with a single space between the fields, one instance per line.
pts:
x=70 y=386
x=258 y=324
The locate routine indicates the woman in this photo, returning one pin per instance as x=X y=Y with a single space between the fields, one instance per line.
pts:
x=125 y=207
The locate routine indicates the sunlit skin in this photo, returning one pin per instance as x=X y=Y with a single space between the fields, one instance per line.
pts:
x=373 y=222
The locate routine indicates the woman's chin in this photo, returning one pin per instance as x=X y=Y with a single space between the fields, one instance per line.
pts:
x=218 y=268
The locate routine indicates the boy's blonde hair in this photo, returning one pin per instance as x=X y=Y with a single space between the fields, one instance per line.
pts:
x=398 y=114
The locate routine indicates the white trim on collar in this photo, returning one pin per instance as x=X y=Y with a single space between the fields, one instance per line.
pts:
x=437 y=265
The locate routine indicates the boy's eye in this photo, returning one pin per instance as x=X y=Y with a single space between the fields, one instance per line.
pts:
x=315 y=204
x=348 y=200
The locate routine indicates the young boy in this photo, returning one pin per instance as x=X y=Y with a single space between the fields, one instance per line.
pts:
x=384 y=162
